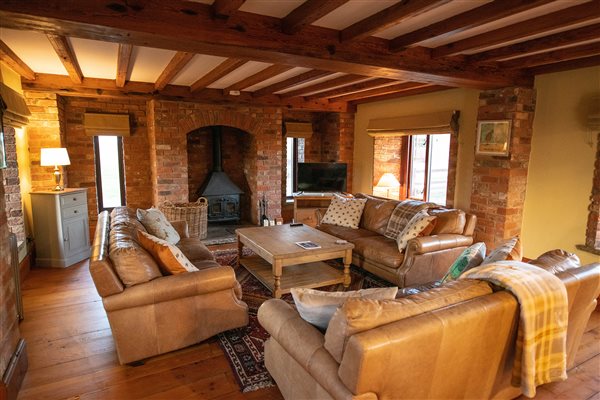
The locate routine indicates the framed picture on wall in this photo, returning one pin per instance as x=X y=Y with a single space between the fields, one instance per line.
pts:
x=493 y=137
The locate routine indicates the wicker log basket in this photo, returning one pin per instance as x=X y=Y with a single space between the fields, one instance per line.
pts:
x=194 y=213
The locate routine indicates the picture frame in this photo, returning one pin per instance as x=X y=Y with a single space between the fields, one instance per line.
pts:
x=493 y=137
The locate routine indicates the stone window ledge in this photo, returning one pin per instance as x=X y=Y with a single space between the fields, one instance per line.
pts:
x=589 y=249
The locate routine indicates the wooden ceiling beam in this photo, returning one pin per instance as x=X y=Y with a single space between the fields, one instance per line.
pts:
x=260 y=76
x=190 y=27
x=412 y=92
x=226 y=67
x=226 y=7
x=380 y=91
x=8 y=57
x=592 y=61
x=107 y=88
x=566 y=38
x=64 y=51
x=551 y=57
x=466 y=20
x=304 y=77
x=342 y=80
x=388 y=17
x=357 y=87
x=123 y=59
x=569 y=16
x=307 y=13
x=177 y=63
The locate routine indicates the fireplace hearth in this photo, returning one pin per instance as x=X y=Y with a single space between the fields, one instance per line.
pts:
x=222 y=194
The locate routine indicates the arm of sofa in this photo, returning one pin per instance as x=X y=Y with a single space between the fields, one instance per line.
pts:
x=304 y=343
x=173 y=287
x=428 y=244
x=182 y=228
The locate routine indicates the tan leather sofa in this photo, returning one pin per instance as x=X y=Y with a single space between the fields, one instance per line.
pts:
x=425 y=259
x=464 y=350
x=169 y=312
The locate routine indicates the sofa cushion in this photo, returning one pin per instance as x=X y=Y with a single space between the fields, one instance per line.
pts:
x=419 y=223
x=471 y=257
x=342 y=232
x=557 y=261
x=402 y=214
x=197 y=253
x=170 y=259
x=379 y=249
x=344 y=211
x=359 y=315
x=448 y=221
x=509 y=250
x=376 y=214
x=317 y=307
x=157 y=224
x=132 y=263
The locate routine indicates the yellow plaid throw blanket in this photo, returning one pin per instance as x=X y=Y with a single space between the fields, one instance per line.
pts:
x=540 y=355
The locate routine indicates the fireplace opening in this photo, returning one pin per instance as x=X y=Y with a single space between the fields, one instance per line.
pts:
x=217 y=164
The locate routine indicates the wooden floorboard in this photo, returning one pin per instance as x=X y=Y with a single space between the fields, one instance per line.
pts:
x=72 y=354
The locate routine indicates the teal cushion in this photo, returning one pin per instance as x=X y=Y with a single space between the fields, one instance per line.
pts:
x=470 y=258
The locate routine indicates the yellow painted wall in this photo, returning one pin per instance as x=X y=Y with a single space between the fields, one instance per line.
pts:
x=10 y=78
x=464 y=100
x=562 y=164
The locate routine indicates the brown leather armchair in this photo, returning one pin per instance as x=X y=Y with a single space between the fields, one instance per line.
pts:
x=169 y=312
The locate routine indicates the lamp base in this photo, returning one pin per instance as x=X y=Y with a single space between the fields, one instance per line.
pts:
x=57 y=176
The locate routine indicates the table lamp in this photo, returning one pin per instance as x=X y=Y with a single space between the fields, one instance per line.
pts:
x=55 y=156
x=388 y=182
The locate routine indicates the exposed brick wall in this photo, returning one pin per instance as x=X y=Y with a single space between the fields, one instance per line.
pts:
x=500 y=183
x=168 y=135
x=387 y=157
x=592 y=234
x=43 y=131
x=12 y=187
x=82 y=171
x=9 y=327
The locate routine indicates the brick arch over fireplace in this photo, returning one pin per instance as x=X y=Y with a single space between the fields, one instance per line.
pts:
x=170 y=122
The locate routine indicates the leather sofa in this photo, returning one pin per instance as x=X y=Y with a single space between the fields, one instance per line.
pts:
x=426 y=258
x=169 y=312
x=462 y=350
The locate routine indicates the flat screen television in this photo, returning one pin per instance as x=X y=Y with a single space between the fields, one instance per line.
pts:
x=322 y=177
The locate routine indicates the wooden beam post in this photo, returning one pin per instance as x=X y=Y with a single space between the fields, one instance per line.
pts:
x=217 y=73
x=307 y=13
x=260 y=76
x=8 y=57
x=63 y=49
x=179 y=60
x=123 y=58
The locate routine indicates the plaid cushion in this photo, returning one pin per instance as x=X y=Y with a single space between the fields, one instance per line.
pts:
x=403 y=213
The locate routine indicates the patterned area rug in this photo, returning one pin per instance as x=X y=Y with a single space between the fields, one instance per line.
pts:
x=244 y=346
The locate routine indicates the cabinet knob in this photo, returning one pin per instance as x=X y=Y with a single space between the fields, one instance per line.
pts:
x=74 y=198
x=75 y=212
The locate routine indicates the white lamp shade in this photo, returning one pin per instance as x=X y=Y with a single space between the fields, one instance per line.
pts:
x=52 y=156
x=388 y=180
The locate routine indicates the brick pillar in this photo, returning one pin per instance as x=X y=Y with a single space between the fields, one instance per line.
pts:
x=12 y=187
x=592 y=234
x=499 y=183
x=43 y=131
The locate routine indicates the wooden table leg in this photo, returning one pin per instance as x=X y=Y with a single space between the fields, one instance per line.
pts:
x=240 y=248
x=347 y=262
x=277 y=267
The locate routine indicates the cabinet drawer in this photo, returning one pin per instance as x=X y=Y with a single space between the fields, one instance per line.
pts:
x=73 y=199
x=76 y=211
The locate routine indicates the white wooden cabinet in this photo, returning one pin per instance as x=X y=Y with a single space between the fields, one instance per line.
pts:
x=61 y=227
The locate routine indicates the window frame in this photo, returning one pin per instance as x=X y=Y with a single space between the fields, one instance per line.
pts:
x=121 y=165
x=294 y=166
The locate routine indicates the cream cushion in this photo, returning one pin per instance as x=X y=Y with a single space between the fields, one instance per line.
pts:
x=317 y=307
x=415 y=226
x=157 y=224
x=344 y=212
x=170 y=259
x=359 y=315
x=509 y=250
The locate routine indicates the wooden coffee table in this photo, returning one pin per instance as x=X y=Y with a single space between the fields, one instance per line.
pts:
x=280 y=264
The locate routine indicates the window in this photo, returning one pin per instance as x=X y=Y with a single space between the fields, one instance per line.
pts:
x=110 y=181
x=294 y=155
x=428 y=157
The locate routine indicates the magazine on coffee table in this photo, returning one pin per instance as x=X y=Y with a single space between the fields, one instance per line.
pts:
x=308 y=245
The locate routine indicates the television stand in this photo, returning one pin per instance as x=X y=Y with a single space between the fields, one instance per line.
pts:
x=307 y=204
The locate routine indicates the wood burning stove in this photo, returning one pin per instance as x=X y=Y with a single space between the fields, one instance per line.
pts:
x=222 y=194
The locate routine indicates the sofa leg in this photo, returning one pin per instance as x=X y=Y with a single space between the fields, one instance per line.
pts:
x=137 y=363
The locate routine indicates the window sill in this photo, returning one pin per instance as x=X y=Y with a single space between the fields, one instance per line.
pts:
x=588 y=249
